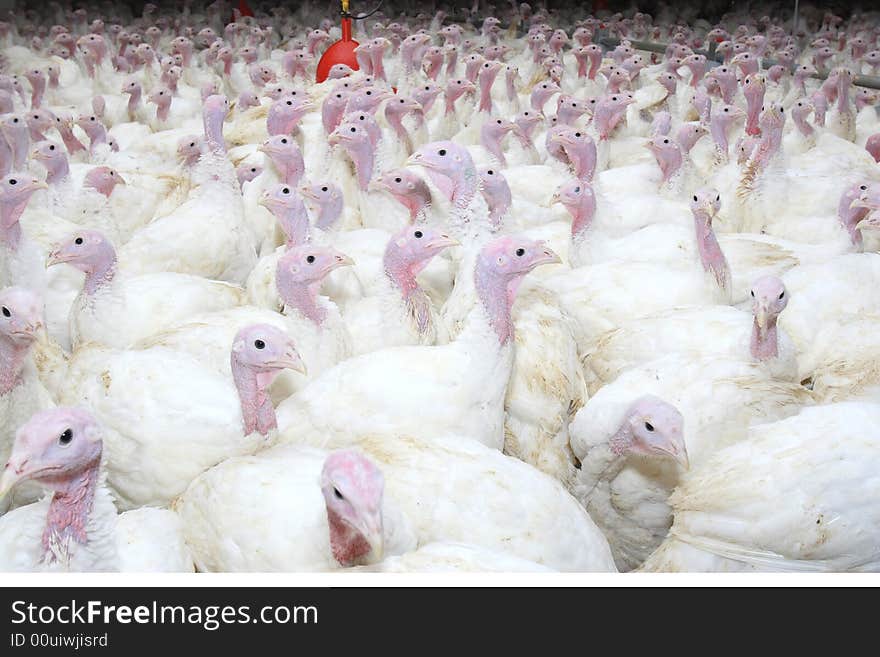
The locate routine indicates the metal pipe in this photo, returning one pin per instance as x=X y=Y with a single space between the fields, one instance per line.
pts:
x=870 y=81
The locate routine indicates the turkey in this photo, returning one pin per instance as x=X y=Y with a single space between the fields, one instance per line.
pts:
x=823 y=522
x=116 y=309
x=207 y=235
x=452 y=389
x=76 y=526
x=336 y=514
x=154 y=451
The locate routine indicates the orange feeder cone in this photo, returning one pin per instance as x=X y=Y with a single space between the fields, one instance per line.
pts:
x=341 y=52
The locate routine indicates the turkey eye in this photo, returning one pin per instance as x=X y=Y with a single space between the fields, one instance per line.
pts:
x=863 y=187
x=498 y=121
x=490 y=172
x=526 y=114
x=665 y=141
x=782 y=294
x=323 y=189
x=695 y=198
x=15 y=120
x=78 y=241
x=369 y=93
x=253 y=170
x=66 y=437
x=310 y=259
x=192 y=144
x=752 y=292
x=398 y=180
x=283 y=141
x=577 y=134
x=6 y=312
x=337 y=494
x=13 y=181
x=259 y=344
x=290 y=102
x=441 y=152
x=520 y=252
x=354 y=129
x=718 y=198
x=427 y=88
x=574 y=105
x=286 y=190
x=649 y=426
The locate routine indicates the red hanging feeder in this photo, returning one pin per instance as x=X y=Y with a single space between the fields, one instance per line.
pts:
x=341 y=52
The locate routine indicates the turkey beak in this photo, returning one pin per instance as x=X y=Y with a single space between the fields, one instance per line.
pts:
x=57 y=257
x=290 y=360
x=29 y=330
x=373 y=531
x=13 y=473
x=677 y=451
x=761 y=314
x=341 y=260
x=556 y=198
x=547 y=257
x=442 y=242
x=860 y=202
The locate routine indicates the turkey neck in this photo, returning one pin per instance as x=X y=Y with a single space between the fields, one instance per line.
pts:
x=10 y=228
x=363 y=159
x=134 y=101
x=850 y=217
x=13 y=356
x=711 y=255
x=581 y=220
x=347 y=544
x=605 y=461
x=99 y=275
x=402 y=276
x=20 y=141
x=256 y=405
x=71 y=143
x=5 y=156
x=491 y=141
x=486 y=80
x=764 y=344
x=753 y=109
x=495 y=297
x=68 y=515
x=802 y=124
x=329 y=213
x=303 y=299
x=582 y=159
x=719 y=136
x=395 y=120
x=213 y=125
x=294 y=221
x=57 y=170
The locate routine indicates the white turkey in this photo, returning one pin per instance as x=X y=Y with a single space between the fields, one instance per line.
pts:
x=76 y=526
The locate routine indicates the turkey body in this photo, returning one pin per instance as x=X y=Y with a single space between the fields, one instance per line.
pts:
x=749 y=507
